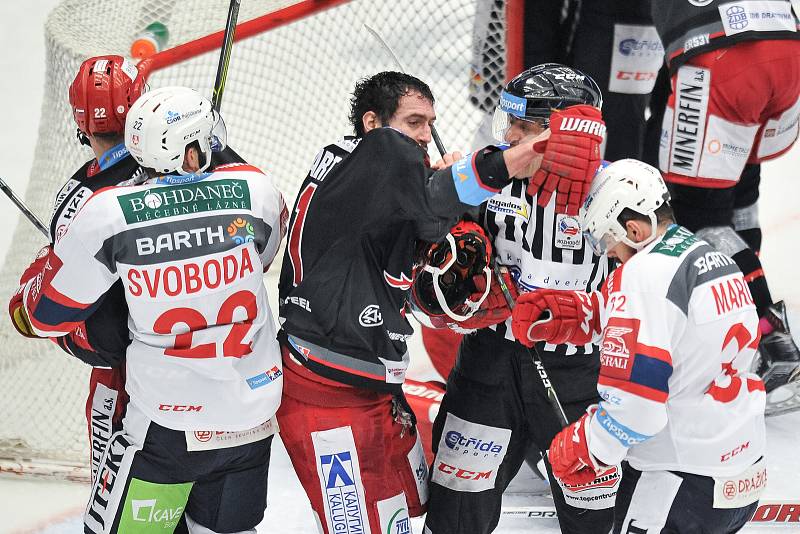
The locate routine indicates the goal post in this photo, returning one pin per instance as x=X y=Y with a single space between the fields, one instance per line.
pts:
x=293 y=66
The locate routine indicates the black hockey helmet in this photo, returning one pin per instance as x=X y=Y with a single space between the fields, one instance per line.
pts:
x=533 y=94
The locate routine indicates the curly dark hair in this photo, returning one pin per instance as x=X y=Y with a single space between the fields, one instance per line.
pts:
x=381 y=94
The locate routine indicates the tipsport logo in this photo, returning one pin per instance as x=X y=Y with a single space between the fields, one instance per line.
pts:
x=262 y=379
x=341 y=494
x=513 y=105
x=241 y=231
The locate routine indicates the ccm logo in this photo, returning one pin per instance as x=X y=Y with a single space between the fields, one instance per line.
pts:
x=637 y=76
x=728 y=455
x=463 y=473
x=179 y=408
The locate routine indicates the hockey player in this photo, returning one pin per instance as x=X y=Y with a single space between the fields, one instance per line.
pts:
x=345 y=277
x=495 y=408
x=102 y=92
x=678 y=331
x=203 y=370
x=735 y=74
x=109 y=84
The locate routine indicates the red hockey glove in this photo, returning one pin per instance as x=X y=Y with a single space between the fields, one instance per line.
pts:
x=556 y=316
x=570 y=458
x=571 y=157
x=495 y=308
x=16 y=308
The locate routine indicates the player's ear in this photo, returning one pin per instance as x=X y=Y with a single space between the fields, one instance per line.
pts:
x=637 y=230
x=370 y=121
x=191 y=159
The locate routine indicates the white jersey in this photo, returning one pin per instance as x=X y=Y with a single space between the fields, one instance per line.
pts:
x=679 y=335
x=191 y=252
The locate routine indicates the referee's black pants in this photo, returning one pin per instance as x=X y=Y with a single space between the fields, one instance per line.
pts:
x=492 y=389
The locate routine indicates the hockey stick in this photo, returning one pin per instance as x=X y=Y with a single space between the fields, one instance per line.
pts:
x=436 y=139
x=225 y=54
x=536 y=357
x=24 y=209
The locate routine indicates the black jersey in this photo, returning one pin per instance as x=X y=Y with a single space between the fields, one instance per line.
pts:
x=106 y=330
x=350 y=248
x=694 y=27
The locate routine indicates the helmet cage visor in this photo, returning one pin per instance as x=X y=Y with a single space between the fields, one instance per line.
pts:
x=470 y=306
x=605 y=237
x=602 y=244
x=218 y=139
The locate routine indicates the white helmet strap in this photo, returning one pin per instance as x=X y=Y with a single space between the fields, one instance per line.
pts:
x=649 y=239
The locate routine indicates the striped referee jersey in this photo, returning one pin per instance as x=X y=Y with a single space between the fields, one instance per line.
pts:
x=541 y=249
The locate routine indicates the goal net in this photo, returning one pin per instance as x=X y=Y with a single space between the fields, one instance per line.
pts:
x=292 y=69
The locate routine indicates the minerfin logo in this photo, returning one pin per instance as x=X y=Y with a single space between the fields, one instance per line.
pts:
x=513 y=105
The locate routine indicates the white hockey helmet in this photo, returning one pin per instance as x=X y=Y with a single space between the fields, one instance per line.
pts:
x=627 y=183
x=161 y=123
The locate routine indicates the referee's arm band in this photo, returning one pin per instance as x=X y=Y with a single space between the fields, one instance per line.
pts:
x=479 y=175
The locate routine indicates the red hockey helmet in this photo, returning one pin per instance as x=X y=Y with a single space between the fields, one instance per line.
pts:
x=102 y=94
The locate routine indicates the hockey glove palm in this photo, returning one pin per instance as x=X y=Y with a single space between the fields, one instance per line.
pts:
x=556 y=316
x=571 y=157
x=570 y=458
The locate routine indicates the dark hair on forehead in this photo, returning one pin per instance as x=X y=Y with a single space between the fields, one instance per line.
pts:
x=381 y=94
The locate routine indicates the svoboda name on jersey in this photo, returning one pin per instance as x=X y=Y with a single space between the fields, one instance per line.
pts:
x=184 y=199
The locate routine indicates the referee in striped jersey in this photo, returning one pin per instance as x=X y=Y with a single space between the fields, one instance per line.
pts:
x=495 y=407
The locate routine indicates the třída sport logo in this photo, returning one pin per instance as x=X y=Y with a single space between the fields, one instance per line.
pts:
x=457 y=441
x=629 y=47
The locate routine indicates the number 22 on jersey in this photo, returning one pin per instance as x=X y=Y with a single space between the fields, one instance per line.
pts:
x=232 y=346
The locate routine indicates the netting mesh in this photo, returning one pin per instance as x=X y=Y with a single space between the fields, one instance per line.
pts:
x=286 y=96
